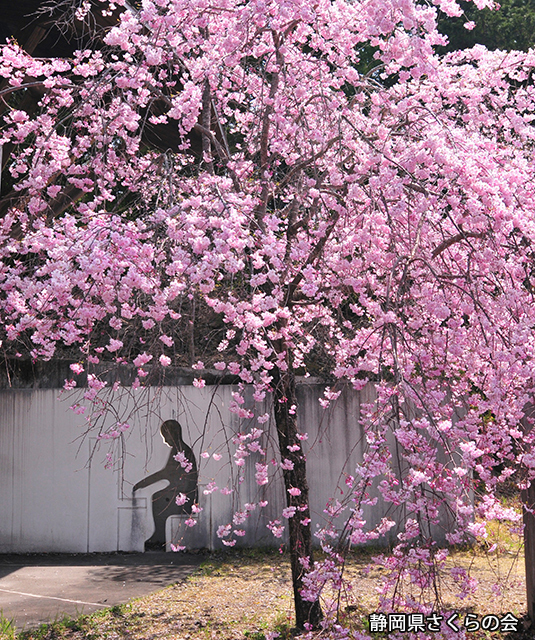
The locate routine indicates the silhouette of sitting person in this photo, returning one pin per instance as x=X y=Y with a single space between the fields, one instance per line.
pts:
x=180 y=481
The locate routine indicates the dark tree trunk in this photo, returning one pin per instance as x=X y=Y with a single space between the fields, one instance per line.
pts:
x=528 y=502
x=528 y=499
x=284 y=397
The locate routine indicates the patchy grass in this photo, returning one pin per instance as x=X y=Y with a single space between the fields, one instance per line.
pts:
x=243 y=595
x=7 y=628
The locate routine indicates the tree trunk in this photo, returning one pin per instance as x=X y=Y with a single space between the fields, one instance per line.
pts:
x=300 y=534
x=528 y=502
x=528 y=499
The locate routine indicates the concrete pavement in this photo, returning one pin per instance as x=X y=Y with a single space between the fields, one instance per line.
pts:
x=41 y=588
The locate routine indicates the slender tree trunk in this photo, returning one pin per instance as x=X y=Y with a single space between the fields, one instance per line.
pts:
x=528 y=502
x=300 y=534
x=206 y=119
x=528 y=499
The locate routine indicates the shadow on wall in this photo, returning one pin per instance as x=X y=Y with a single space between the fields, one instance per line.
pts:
x=182 y=478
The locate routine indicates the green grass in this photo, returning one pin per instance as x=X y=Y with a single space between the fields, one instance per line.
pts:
x=7 y=628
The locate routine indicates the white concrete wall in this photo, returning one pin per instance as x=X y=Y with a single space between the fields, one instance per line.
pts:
x=56 y=493
x=44 y=485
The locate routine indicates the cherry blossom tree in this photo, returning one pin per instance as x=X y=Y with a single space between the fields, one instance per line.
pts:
x=380 y=220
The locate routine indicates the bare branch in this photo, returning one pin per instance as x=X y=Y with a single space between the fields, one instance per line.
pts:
x=457 y=238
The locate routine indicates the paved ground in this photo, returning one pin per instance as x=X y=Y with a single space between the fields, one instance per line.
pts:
x=40 y=588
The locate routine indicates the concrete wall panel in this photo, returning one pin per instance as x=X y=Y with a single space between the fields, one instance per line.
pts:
x=43 y=478
x=65 y=491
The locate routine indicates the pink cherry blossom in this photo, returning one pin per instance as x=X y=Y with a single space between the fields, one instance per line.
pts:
x=77 y=368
